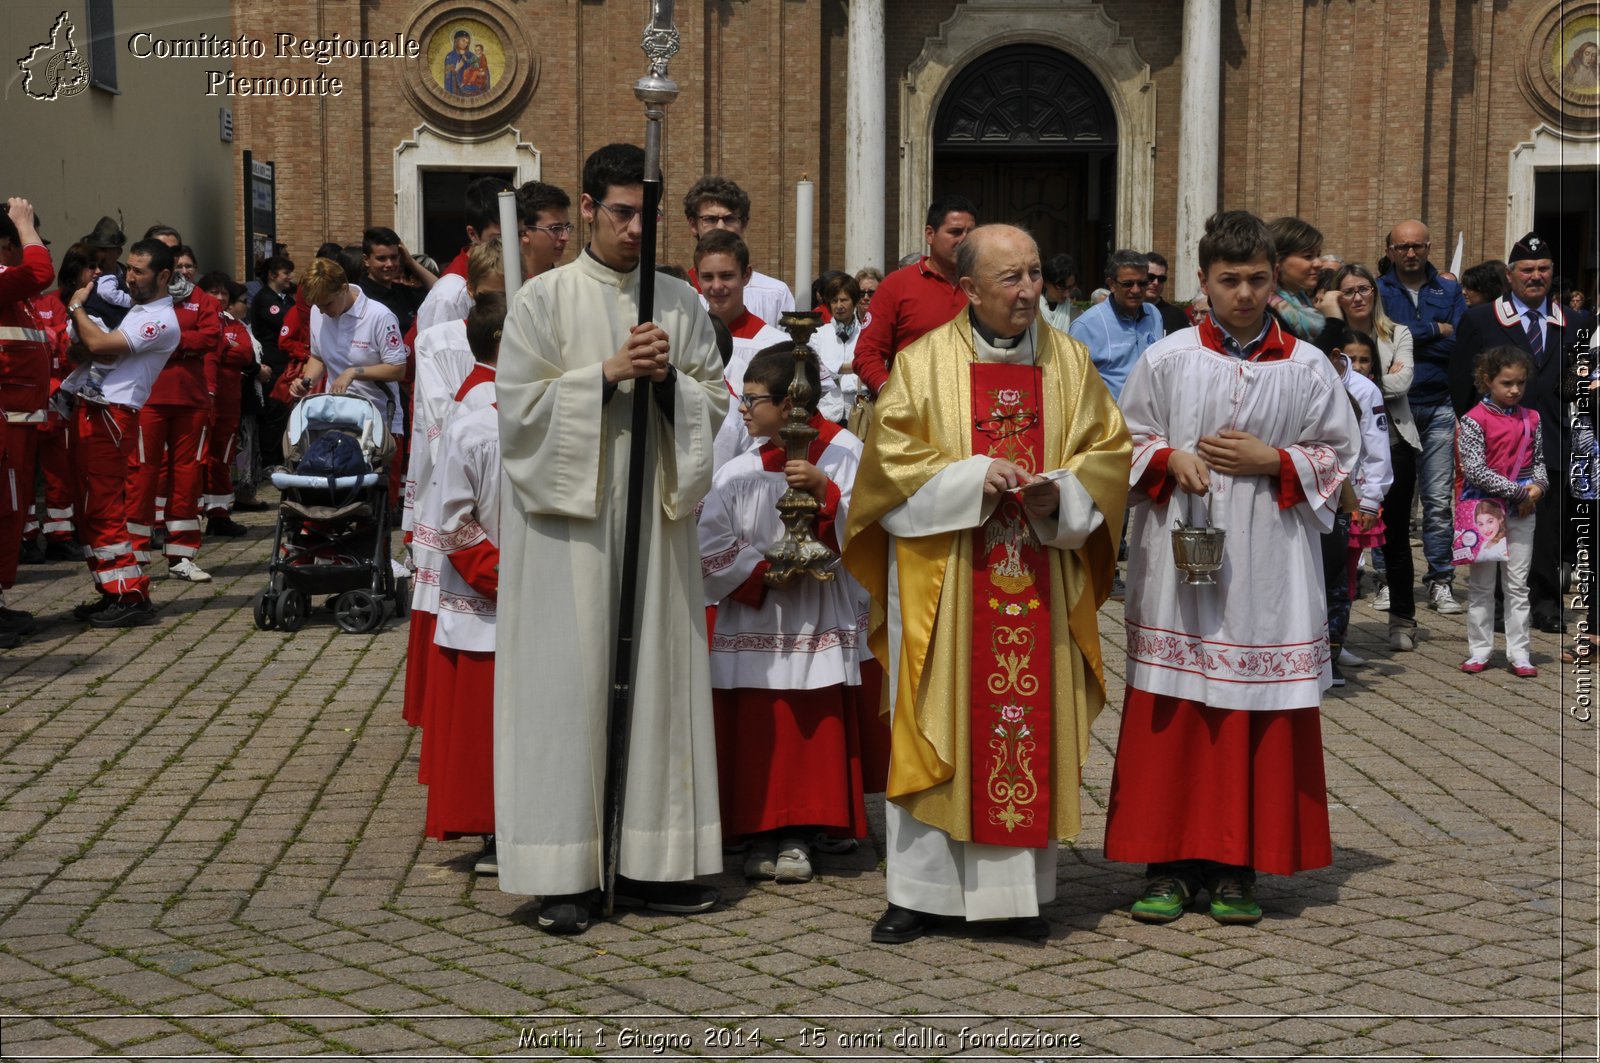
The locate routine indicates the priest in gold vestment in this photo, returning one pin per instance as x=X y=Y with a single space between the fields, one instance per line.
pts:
x=985 y=523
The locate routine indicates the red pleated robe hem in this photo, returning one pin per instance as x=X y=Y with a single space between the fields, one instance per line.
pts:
x=1237 y=787
x=458 y=745
x=795 y=758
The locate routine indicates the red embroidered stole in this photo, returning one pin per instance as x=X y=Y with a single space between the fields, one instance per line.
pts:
x=1011 y=645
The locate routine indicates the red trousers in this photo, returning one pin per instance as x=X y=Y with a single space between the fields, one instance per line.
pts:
x=221 y=447
x=172 y=439
x=60 y=481
x=17 y=444
x=106 y=446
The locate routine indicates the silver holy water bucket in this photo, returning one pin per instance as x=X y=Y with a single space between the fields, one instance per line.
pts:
x=1197 y=550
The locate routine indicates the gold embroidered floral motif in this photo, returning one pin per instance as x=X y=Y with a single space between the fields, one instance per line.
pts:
x=1013 y=653
x=1011 y=781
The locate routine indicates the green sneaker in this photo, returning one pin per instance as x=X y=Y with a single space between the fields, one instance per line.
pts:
x=1233 y=901
x=1165 y=898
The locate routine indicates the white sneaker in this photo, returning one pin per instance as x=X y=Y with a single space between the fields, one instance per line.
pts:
x=1380 y=601
x=186 y=569
x=1442 y=600
x=1350 y=660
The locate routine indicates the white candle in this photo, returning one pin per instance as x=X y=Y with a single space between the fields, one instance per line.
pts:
x=510 y=242
x=804 y=204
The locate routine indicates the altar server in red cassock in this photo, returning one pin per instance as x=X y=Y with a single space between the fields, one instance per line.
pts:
x=1219 y=763
x=443 y=363
x=785 y=660
x=462 y=503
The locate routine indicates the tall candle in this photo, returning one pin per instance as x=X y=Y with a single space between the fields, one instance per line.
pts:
x=804 y=204
x=510 y=242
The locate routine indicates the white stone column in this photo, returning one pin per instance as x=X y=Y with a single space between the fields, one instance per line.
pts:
x=864 y=124
x=1199 y=133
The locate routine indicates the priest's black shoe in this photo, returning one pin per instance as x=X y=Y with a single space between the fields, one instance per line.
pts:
x=566 y=913
x=677 y=898
x=899 y=925
x=1549 y=623
x=1026 y=927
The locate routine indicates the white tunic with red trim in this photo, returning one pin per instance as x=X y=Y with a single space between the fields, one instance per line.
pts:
x=443 y=361
x=1258 y=638
x=476 y=392
x=463 y=502
x=805 y=635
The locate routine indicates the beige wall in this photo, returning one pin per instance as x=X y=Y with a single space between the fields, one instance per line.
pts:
x=152 y=152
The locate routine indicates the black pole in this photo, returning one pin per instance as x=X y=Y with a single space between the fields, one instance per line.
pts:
x=619 y=722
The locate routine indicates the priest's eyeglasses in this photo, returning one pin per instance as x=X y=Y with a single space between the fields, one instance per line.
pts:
x=624 y=215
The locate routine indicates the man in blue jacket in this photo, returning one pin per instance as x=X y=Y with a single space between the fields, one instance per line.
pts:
x=1417 y=297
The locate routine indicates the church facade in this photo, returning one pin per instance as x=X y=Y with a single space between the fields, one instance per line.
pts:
x=1097 y=125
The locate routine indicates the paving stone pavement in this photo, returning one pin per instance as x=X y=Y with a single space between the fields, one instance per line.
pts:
x=210 y=846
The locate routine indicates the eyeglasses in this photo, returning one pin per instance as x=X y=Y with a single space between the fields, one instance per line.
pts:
x=750 y=402
x=556 y=231
x=1156 y=278
x=867 y=293
x=716 y=219
x=624 y=216
x=1363 y=292
x=1407 y=249
x=1129 y=285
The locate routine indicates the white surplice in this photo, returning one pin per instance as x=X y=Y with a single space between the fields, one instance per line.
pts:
x=565 y=451
x=808 y=634
x=1257 y=639
x=443 y=361
x=927 y=870
x=463 y=503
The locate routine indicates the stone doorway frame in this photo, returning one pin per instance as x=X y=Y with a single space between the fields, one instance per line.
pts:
x=1546 y=149
x=1080 y=29
x=431 y=148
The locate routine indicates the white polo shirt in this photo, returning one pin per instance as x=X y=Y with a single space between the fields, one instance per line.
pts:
x=365 y=334
x=152 y=333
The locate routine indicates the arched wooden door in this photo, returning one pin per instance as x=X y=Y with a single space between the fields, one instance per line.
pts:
x=1028 y=134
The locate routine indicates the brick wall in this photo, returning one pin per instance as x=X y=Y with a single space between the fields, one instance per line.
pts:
x=1355 y=113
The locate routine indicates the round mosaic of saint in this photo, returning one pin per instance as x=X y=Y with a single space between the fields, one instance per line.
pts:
x=477 y=66
x=1560 y=72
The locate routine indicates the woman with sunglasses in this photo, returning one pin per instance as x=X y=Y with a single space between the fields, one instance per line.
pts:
x=1357 y=292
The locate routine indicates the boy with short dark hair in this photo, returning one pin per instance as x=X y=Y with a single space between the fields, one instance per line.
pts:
x=1238 y=425
x=714 y=203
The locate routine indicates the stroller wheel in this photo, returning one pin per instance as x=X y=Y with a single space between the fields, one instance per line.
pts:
x=359 y=611
x=292 y=605
x=266 y=611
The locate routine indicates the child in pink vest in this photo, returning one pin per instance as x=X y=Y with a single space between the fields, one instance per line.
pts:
x=1500 y=476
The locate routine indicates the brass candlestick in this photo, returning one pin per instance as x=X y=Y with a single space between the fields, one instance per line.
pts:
x=799 y=551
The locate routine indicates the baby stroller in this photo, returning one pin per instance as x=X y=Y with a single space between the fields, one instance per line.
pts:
x=332 y=535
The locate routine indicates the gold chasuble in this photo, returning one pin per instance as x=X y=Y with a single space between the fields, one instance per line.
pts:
x=927 y=418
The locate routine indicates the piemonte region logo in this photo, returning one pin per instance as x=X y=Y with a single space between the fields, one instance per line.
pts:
x=55 y=68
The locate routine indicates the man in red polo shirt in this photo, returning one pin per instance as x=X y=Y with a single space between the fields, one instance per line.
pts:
x=917 y=298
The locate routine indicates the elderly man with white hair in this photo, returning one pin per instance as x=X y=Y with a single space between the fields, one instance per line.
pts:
x=984 y=523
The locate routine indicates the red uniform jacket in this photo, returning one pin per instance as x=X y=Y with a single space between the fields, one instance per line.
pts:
x=233 y=357
x=25 y=342
x=184 y=380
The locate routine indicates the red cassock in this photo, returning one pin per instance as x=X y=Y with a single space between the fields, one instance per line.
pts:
x=798 y=757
